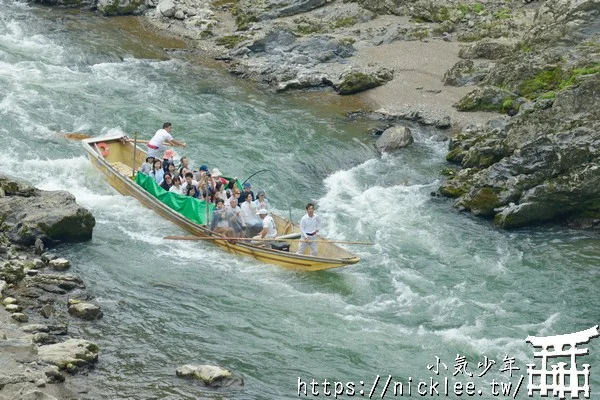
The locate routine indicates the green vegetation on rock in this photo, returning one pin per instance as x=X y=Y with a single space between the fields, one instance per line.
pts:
x=484 y=202
x=344 y=22
x=544 y=81
x=229 y=41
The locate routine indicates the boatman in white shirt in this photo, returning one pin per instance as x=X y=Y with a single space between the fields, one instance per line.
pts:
x=156 y=145
x=269 y=230
x=309 y=227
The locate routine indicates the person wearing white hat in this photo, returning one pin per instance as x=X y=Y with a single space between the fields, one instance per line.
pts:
x=269 y=230
x=309 y=227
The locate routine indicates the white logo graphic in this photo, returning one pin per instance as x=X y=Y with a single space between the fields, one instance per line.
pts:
x=564 y=377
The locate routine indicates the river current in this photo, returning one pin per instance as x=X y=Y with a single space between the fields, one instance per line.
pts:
x=437 y=285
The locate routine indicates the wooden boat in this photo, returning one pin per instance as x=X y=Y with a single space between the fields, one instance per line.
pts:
x=114 y=157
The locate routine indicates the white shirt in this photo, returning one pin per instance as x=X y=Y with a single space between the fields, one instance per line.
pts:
x=265 y=204
x=309 y=225
x=269 y=224
x=249 y=214
x=176 y=189
x=184 y=186
x=160 y=137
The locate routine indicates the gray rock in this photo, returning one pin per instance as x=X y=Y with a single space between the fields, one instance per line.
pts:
x=20 y=317
x=39 y=245
x=85 y=311
x=179 y=15
x=20 y=350
x=47 y=310
x=394 y=138
x=28 y=213
x=211 y=375
x=270 y=9
x=166 y=8
x=13 y=308
x=11 y=271
x=60 y=264
x=34 y=328
x=47 y=257
x=70 y=355
x=9 y=300
x=120 y=7
x=2 y=287
x=487 y=49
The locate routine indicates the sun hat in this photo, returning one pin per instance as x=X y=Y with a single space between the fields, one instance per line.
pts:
x=247 y=185
x=203 y=167
x=262 y=211
x=216 y=172
x=261 y=192
x=169 y=153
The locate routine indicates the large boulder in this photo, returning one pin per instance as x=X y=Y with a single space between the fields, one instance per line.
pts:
x=394 y=138
x=27 y=213
x=359 y=81
x=270 y=9
x=70 y=355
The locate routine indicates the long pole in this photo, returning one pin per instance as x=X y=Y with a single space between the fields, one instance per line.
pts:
x=135 y=136
x=257 y=172
x=259 y=239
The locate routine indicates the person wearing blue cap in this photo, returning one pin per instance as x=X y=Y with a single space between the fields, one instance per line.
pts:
x=203 y=170
x=247 y=189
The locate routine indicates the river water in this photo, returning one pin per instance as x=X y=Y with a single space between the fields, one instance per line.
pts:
x=436 y=284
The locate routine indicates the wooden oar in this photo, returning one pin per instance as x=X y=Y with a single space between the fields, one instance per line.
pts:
x=76 y=136
x=259 y=240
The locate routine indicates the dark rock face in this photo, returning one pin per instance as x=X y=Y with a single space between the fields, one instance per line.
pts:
x=27 y=213
x=543 y=164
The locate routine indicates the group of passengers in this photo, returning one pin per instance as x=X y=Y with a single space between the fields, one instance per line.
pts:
x=237 y=213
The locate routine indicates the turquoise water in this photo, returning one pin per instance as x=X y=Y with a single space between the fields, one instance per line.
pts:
x=437 y=282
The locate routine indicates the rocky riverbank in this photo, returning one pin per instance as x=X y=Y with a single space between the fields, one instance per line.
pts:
x=515 y=80
x=40 y=300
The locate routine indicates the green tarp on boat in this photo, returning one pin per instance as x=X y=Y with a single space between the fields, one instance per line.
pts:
x=191 y=208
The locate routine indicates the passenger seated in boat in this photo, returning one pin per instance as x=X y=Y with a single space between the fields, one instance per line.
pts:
x=220 y=192
x=167 y=182
x=157 y=172
x=146 y=167
x=192 y=191
x=184 y=167
x=168 y=159
x=189 y=181
x=250 y=217
x=201 y=172
x=236 y=194
x=172 y=169
x=262 y=201
x=235 y=218
x=269 y=229
x=218 y=176
x=247 y=189
x=219 y=223
x=176 y=188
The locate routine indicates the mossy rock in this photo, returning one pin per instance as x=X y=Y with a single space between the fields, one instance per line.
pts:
x=483 y=202
x=357 y=82
x=119 y=7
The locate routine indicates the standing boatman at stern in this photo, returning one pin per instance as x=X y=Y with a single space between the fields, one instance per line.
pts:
x=309 y=227
x=156 y=145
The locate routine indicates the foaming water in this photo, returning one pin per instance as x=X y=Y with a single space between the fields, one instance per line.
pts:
x=436 y=283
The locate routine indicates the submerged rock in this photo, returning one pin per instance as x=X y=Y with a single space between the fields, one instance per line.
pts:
x=28 y=213
x=209 y=374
